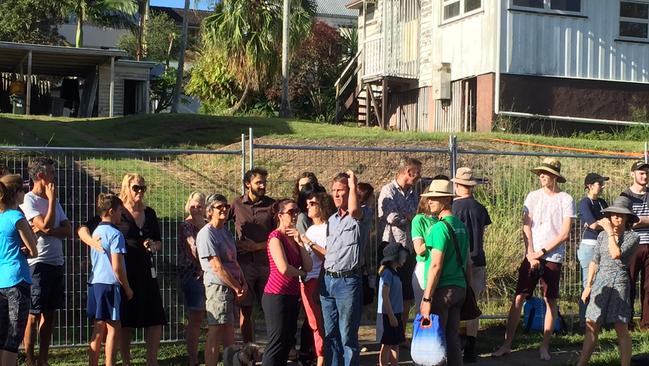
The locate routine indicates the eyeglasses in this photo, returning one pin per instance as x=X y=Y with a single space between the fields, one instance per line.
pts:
x=292 y=212
x=137 y=189
x=313 y=204
x=221 y=207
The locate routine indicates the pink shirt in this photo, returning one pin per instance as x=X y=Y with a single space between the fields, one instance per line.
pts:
x=279 y=284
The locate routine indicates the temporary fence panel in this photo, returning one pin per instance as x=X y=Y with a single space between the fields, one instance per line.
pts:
x=508 y=181
x=171 y=175
x=374 y=165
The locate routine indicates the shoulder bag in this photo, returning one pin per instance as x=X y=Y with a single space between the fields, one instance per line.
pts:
x=470 y=309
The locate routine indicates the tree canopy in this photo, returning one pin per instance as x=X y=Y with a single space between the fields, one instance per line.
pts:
x=31 y=21
x=249 y=32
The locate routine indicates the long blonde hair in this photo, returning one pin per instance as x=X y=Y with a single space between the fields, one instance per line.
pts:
x=125 y=192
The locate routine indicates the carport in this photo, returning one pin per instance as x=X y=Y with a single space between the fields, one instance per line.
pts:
x=98 y=67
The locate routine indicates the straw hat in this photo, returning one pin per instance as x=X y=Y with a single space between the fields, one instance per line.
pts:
x=552 y=166
x=439 y=188
x=464 y=176
x=622 y=205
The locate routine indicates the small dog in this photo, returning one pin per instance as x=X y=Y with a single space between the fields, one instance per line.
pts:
x=246 y=355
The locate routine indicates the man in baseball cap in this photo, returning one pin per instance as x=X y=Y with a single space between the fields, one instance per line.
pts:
x=639 y=265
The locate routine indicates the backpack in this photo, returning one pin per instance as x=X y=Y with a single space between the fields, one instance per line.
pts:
x=534 y=316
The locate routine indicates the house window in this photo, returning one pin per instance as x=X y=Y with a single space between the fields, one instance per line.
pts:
x=573 y=6
x=634 y=19
x=453 y=9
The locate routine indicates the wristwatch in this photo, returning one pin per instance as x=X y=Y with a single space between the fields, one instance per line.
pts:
x=426 y=299
x=544 y=251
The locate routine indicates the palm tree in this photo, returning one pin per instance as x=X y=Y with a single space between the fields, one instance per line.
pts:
x=113 y=13
x=143 y=13
x=249 y=33
x=181 y=61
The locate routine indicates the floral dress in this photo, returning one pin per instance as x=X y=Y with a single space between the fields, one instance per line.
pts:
x=189 y=268
x=610 y=294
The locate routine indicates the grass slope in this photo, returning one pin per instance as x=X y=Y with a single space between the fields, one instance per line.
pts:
x=197 y=131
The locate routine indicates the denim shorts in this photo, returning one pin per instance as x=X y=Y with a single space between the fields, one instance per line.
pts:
x=48 y=287
x=194 y=294
x=14 y=309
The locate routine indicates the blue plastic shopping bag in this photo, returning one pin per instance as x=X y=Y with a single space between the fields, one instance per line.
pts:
x=428 y=346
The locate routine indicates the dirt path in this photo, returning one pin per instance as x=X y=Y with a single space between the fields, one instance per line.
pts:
x=516 y=358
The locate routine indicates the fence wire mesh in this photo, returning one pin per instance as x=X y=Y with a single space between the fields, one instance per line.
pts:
x=172 y=174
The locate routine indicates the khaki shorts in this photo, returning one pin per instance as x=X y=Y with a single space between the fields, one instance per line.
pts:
x=478 y=280
x=219 y=304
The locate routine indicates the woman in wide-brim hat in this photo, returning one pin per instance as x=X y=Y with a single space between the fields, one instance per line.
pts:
x=608 y=284
x=446 y=285
x=552 y=166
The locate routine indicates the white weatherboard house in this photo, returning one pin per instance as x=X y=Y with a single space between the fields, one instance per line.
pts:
x=455 y=65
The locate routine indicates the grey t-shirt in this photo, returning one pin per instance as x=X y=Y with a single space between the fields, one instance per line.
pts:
x=217 y=242
x=50 y=248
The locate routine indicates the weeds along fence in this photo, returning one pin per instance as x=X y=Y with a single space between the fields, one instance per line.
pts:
x=82 y=173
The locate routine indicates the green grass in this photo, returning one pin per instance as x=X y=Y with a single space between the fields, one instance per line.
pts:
x=490 y=338
x=193 y=130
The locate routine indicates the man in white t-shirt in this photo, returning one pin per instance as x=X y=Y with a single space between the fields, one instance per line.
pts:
x=51 y=226
x=547 y=217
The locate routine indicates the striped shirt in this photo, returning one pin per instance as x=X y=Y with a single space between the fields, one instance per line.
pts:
x=279 y=284
x=640 y=208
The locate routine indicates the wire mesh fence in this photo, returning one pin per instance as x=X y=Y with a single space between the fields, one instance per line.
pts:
x=172 y=174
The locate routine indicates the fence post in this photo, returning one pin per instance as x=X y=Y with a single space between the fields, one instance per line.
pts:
x=251 y=140
x=646 y=153
x=452 y=146
x=243 y=162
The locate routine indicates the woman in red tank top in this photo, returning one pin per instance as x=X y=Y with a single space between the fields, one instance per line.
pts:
x=288 y=261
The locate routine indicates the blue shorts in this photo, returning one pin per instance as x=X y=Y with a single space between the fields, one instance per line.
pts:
x=104 y=301
x=48 y=287
x=194 y=294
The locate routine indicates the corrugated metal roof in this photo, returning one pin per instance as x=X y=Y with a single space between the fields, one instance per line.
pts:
x=335 y=7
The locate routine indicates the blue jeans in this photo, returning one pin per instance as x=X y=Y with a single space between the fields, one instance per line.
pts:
x=342 y=302
x=584 y=256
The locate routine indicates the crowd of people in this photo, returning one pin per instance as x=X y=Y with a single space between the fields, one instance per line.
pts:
x=310 y=252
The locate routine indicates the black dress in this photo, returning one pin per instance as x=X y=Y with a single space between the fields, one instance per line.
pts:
x=145 y=308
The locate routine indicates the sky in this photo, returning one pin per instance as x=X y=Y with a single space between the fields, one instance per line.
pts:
x=194 y=4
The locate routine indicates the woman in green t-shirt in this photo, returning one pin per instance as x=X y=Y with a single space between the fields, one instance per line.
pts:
x=421 y=224
x=445 y=289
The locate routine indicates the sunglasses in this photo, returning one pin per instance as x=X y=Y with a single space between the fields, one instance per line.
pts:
x=292 y=212
x=221 y=207
x=137 y=189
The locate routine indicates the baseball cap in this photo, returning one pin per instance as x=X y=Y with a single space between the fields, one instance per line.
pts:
x=639 y=165
x=594 y=177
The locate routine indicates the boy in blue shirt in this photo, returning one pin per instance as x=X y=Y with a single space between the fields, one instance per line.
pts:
x=108 y=274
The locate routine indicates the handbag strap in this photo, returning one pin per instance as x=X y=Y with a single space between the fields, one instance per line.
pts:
x=457 y=249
